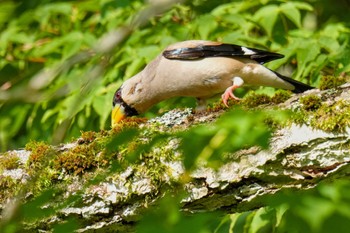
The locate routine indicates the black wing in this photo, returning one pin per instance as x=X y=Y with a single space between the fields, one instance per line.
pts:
x=221 y=50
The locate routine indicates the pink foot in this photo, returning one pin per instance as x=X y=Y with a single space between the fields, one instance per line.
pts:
x=229 y=94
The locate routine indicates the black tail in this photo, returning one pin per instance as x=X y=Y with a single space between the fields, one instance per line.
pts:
x=299 y=86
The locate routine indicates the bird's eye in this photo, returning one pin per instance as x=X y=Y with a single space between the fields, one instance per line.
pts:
x=118 y=94
x=117 y=97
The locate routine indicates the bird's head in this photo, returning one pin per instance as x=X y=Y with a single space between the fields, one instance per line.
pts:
x=120 y=108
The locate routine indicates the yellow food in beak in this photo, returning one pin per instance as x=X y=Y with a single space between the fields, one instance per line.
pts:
x=118 y=114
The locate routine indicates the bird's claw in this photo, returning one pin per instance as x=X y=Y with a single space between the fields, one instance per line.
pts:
x=229 y=94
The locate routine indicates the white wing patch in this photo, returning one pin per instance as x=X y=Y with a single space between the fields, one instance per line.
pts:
x=248 y=51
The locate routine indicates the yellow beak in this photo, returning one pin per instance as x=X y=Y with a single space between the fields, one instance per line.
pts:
x=118 y=114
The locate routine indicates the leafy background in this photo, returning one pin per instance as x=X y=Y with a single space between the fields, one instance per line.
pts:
x=57 y=77
x=44 y=89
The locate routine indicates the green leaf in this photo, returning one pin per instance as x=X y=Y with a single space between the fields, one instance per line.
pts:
x=291 y=11
x=303 y=5
x=33 y=210
x=234 y=130
x=206 y=24
x=134 y=67
x=333 y=30
x=148 y=52
x=241 y=221
x=167 y=218
x=306 y=53
x=49 y=48
x=266 y=17
x=103 y=105
x=123 y=137
x=48 y=10
x=72 y=43
x=49 y=113
x=263 y=220
x=193 y=142
x=330 y=44
x=12 y=118
x=6 y=10
x=315 y=211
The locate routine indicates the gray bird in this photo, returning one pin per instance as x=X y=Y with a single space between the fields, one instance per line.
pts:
x=198 y=69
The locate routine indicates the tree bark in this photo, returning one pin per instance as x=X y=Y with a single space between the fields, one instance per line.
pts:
x=299 y=157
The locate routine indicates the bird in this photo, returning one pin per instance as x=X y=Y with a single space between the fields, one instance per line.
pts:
x=200 y=69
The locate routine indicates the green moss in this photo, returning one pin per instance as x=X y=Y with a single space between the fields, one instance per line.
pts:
x=9 y=161
x=87 y=137
x=129 y=122
x=332 y=118
x=90 y=155
x=280 y=96
x=40 y=152
x=253 y=100
x=277 y=118
x=96 y=149
x=329 y=118
x=299 y=117
x=331 y=81
x=39 y=165
x=80 y=159
x=8 y=187
x=217 y=106
x=310 y=102
x=151 y=164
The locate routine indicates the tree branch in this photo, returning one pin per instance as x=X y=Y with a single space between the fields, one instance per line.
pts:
x=299 y=157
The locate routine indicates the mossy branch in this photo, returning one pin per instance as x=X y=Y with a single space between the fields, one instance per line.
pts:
x=106 y=185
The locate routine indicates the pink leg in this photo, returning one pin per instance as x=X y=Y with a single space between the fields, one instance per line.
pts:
x=229 y=94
